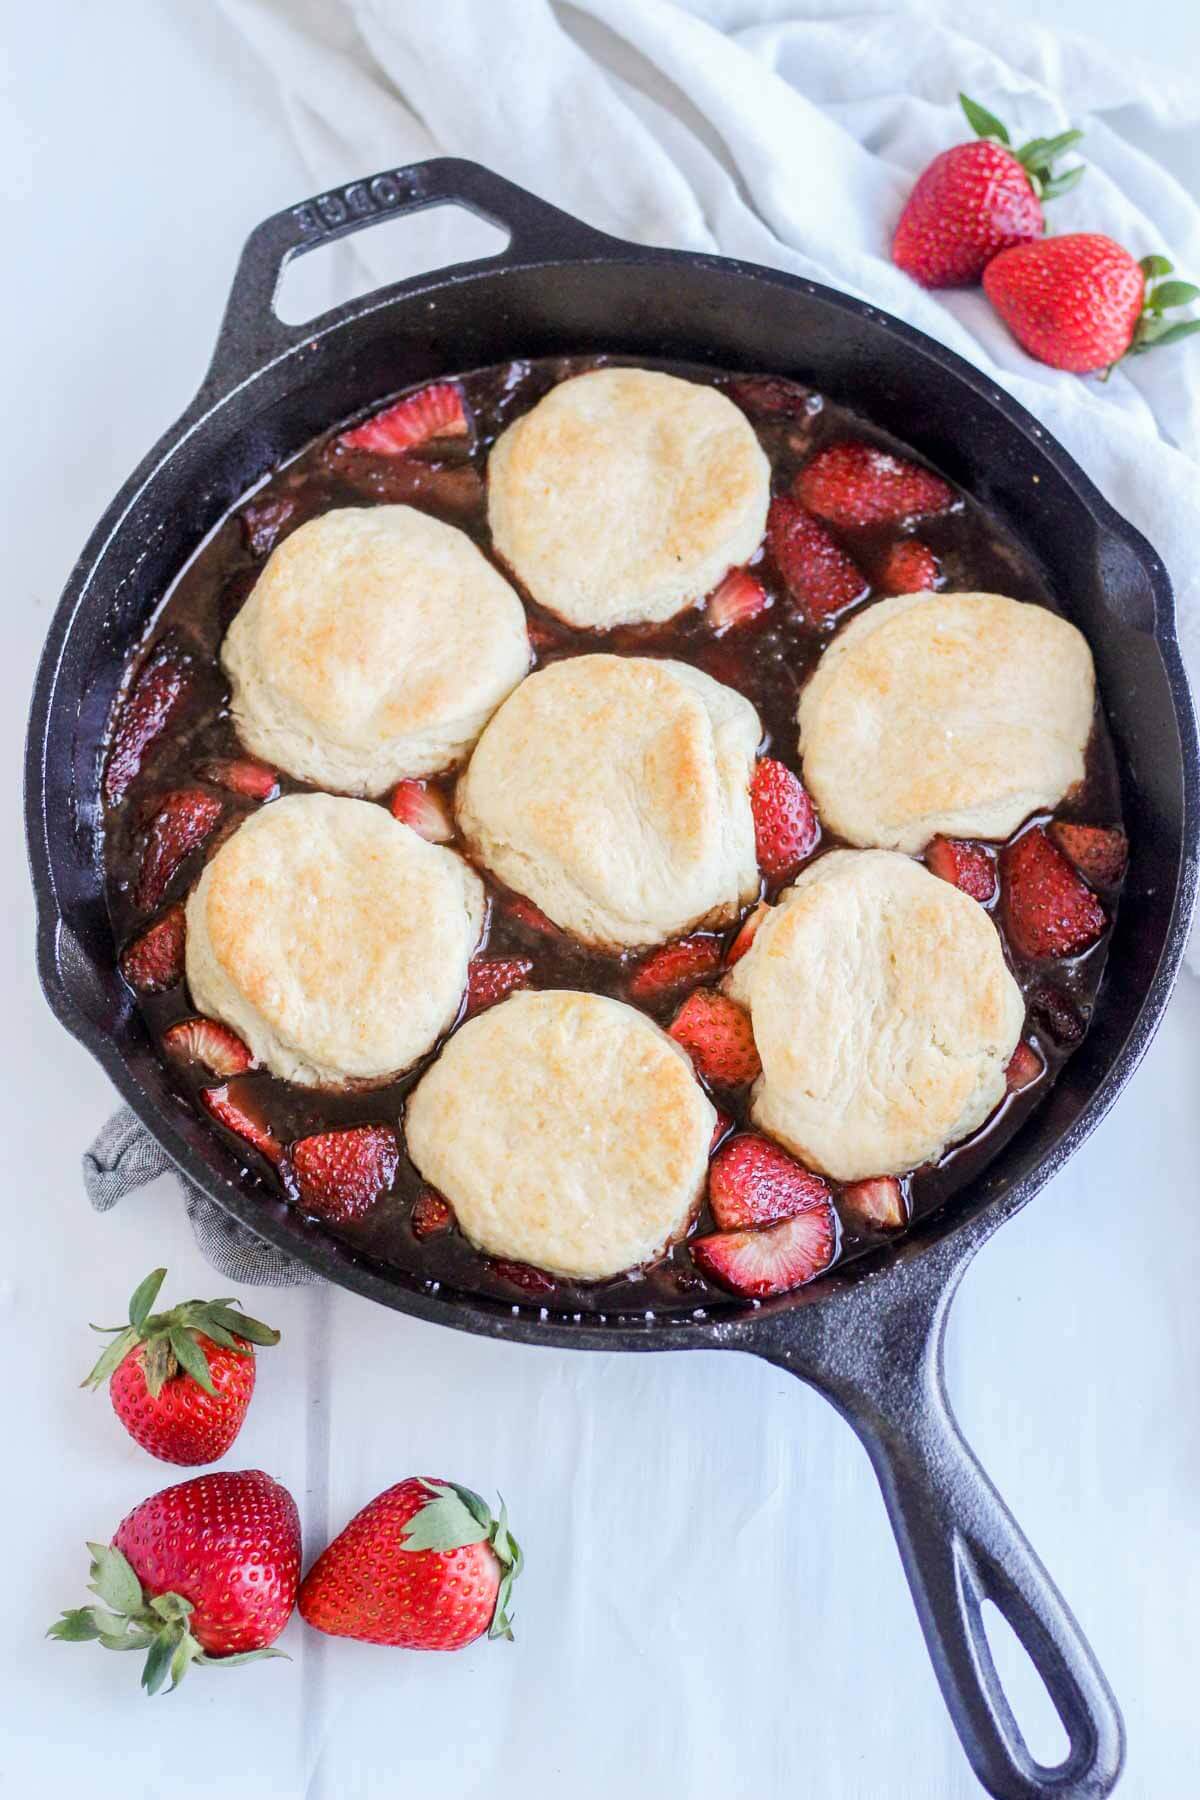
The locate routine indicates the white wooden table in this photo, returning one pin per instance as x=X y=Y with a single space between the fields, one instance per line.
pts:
x=713 y=1604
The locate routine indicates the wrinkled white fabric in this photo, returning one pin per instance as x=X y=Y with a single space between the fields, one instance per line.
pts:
x=786 y=132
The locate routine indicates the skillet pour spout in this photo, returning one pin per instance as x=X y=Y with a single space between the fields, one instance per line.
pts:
x=869 y=1336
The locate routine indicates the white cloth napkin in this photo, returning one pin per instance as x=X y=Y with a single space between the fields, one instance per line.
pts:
x=786 y=132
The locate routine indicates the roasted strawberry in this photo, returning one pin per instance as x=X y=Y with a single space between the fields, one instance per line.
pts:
x=209 y=1043
x=854 y=483
x=876 y=1204
x=722 y=1128
x=674 y=966
x=745 y=936
x=1024 y=1068
x=527 y=914
x=263 y=520
x=1099 y=852
x=435 y=412
x=182 y=822
x=180 y=1381
x=431 y=1214
x=820 y=577
x=423 y=810
x=718 y=1037
x=785 y=825
x=144 y=715
x=155 y=961
x=977 y=199
x=1057 y=1014
x=965 y=866
x=339 y=1175
x=773 y=396
x=739 y=599
x=425 y=1566
x=774 y=1259
x=233 y=1113
x=753 y=1182
x=493 y=978
x=910 y=567
x=523 y=1275
x=204 y=1572
x=1049 y=909
x=243 y=775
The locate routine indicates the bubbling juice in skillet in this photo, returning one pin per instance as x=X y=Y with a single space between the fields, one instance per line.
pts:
x=767 y=659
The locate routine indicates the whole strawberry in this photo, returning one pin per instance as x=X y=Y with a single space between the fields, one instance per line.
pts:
x=425 y=1565
x=180 y=1381
x=977 y=199
x=1081 y=302
x=205 y=1572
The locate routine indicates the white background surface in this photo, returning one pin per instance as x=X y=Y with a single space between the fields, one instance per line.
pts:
x=698 y=1512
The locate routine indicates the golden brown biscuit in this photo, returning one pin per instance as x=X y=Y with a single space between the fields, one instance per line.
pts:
x=374 y=646
x=626 y=495
x=566 y=1130
x=333 y=939
x=614 y=792
x=954 y=713
x=883 y=1011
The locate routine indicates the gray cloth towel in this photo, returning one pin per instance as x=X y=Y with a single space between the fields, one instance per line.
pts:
x=125 y=1158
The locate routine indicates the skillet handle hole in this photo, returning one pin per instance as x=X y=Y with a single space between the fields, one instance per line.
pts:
x=395 y=249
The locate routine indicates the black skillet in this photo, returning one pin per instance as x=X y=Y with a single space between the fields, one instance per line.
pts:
x=869 y=1338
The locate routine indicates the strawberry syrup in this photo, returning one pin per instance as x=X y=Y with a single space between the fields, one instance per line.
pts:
x=767 y=658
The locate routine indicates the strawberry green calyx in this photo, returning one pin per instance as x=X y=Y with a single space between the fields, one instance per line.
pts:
x=456 y=1517
x=1036 y=157
x=1152 y=331
x=129 y=1619
x=172 y=1339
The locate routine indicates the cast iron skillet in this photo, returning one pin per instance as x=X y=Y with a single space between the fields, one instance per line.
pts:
x=870 y=1338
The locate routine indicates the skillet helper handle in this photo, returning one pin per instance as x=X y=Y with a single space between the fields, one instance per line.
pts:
x=251 y=332
x=958 y=1541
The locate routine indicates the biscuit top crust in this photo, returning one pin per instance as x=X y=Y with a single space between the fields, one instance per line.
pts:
x=567 y=1130
x=951 y=713
x=626 y=495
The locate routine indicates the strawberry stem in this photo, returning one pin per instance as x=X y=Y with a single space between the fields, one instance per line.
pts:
x=1037 y=157
x=455 y=1517
x=1153 y=331
x=172 y=1339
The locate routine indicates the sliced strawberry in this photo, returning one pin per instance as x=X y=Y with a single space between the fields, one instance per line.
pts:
x=820 y=577
x=753 y=1182
x=436 y=412
x=209 y=1043
x=718 y=1037
x=1057 y=1014
x=523 y=1275
x=144 y=715
x=1024 y=1068
x=1099 y=852
x=233 y=1114
x=340 y=1174
x=1050 y=911
x=154 y=961
x=242 y=775
x=527 y=914
x=774 y=396
x=183 y=821
x=736 y=601
x=263 y=520
x=745 y=936
x=785 y=825
x=857 y=484
x=772 y=1260
x=423 y=810
x=430 y=1214
x=910 y=567
x=965 y=866
x=687 y=960
x=876 y=1204
x=722 y=1128
x=493 y=978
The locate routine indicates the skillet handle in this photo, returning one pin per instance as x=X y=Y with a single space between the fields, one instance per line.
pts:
x=958 y=1541
x=251 y=332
